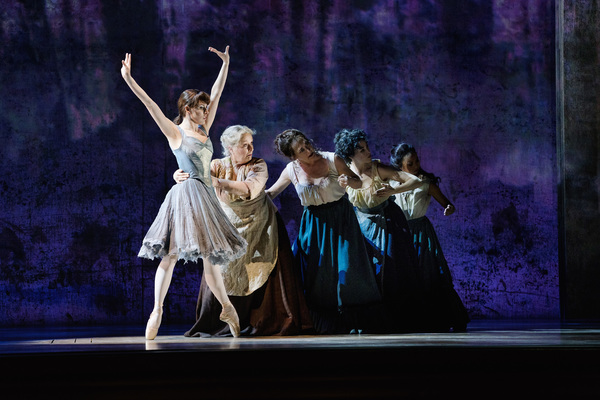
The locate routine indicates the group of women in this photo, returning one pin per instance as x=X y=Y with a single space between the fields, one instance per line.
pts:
x=354 y=266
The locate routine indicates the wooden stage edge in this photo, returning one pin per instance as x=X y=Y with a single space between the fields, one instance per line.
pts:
x=492 y=359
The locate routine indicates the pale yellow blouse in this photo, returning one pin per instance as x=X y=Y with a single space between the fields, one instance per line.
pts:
x=365 y=198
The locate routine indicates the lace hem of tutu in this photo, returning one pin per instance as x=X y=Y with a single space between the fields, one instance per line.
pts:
x=156 y=249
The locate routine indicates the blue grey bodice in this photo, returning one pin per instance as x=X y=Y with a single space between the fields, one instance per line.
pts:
x=194 y=157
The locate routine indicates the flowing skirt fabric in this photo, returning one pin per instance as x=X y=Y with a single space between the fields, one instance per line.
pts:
x=443 y=304
x=339 y=285
x=395 y=264
x=192 y=224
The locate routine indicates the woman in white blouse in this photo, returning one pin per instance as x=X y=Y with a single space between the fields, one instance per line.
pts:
x=339 y=284
x=443 y=303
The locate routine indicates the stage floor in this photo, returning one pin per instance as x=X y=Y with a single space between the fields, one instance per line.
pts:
x=481 y=334
x=549 y=358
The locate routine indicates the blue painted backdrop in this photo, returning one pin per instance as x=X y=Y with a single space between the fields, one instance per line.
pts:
x=84 y=168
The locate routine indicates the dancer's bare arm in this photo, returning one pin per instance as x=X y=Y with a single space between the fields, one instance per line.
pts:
x=218 y=86
x=279 y=186
x=346 y=177
x=407 y=181
x=436 y=193
x=167 y=127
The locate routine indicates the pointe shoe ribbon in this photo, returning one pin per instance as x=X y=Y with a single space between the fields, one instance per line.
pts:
x=229 y=316
x=153 y=324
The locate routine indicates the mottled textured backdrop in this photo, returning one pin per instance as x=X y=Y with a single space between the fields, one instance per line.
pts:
x=84 y=168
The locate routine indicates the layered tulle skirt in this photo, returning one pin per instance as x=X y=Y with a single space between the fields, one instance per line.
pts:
x=191 y=224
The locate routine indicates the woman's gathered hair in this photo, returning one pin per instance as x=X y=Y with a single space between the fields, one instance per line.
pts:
x=285 y=140
x=402 y=150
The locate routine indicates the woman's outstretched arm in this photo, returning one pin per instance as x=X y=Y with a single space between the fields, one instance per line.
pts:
x=436 y=193
x=218 y=86
x=279 y=186
x=166 y=126
x=407 y=181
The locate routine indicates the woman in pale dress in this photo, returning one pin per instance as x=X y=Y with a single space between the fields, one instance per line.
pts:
x=264 y=285
x=339 y=284
x=385 y=229
x=443 y=302
x=190 y=223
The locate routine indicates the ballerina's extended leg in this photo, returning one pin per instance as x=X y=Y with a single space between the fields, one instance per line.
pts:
x=162 y=281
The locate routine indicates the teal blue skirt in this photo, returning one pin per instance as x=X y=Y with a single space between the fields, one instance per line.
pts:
x=442 y=302
x=339 y=283
x=389 y=243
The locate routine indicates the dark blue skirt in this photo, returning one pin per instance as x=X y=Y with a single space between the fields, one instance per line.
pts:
x=443 y=303
x=395 y=264
x=339 y=284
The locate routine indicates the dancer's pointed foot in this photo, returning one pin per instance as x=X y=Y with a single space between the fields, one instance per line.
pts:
x=229 y=315
x=153 y=324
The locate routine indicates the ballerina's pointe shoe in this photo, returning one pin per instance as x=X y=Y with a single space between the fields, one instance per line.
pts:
x=229 y=315
x=153 y=324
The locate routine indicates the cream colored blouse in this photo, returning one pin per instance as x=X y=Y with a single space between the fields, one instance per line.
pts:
x=316 y=192
x=414 y=203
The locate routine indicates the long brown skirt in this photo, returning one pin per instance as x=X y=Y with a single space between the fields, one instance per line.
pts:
x=277 y=308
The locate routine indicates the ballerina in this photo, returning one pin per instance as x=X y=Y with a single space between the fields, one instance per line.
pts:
x=190 y=223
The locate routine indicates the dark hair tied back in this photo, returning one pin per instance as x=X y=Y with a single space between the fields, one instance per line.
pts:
x=402 y=150
x=286 y=139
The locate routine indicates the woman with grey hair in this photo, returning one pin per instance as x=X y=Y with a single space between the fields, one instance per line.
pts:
x=264 y=285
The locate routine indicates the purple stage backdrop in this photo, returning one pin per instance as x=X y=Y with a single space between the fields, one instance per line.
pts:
x=470 y=83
